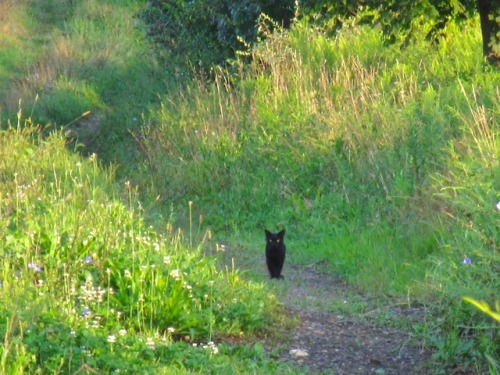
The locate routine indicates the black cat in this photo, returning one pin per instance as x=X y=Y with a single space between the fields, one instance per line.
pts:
x=275 y=253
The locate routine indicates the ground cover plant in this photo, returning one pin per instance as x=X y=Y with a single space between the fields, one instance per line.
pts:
x=86 y=285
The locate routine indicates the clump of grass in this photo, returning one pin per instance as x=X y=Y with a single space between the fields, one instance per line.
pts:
x=86 y=284
x=467 y=263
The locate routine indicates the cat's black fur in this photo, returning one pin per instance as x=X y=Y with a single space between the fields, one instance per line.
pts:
x=275 y=253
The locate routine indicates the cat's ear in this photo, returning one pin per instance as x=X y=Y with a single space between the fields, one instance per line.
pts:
x=282 y=233
x=268 y=234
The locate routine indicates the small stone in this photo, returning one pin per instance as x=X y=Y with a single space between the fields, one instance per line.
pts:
x=299 y=353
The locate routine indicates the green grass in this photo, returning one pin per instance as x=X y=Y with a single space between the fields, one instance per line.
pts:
x=382 y=162
x=85 y=282
x=83 y=56
x=379 y=161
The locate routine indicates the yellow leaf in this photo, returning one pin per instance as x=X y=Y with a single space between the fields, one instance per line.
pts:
x=484 y=307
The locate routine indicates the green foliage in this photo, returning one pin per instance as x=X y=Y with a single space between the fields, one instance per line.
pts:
x=375 y=159
x=382 y=163
x=468 y=262
x=406 y=22
x=85 y=282
x=51 y=12
x=398 y=19
x=203 y=33
x=86 y=56
x=67 y=101
x=318 y=128
x=485 y=308
x=17 y=51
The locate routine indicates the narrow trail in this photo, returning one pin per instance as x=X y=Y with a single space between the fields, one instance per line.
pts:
x=340 y=330
x=333 y=338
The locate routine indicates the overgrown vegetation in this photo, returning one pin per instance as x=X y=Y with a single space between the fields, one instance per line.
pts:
x=200 y=33
x=382 y=162
x=81 y=56
x=86 y=284
x=379 y=160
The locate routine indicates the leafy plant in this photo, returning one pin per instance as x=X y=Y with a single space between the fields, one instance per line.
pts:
x=206 y=33
x=484 y=307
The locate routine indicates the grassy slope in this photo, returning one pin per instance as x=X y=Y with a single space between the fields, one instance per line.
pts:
x=85 y=283
x=382 y=162
x=81 y=57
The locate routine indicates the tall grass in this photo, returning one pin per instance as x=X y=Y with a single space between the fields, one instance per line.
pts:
x=315 y=129
x=86 y=285
x=467 y=263
x=383 y=162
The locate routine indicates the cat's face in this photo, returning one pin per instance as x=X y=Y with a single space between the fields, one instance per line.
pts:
x=275 y=238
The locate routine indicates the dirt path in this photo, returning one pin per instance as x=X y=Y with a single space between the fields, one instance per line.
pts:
x=337 y=331
x=340 y=330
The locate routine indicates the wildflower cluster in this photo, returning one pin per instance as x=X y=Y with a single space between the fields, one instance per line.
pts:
x=175 y=274
x=89 y=294
x=209 y=346
x=35 y=267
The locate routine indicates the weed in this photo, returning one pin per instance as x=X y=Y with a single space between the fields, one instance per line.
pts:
x=85 y=282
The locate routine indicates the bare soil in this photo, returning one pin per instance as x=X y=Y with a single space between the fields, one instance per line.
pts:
x=340 y=330
x=344 y=332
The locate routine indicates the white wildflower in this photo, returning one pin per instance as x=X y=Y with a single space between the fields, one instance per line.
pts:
x=150 y=343
x=176 y=274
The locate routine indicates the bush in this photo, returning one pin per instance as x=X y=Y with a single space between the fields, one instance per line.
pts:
x=207 y=32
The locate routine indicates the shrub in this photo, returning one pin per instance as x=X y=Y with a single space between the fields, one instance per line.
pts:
x=207 y=33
